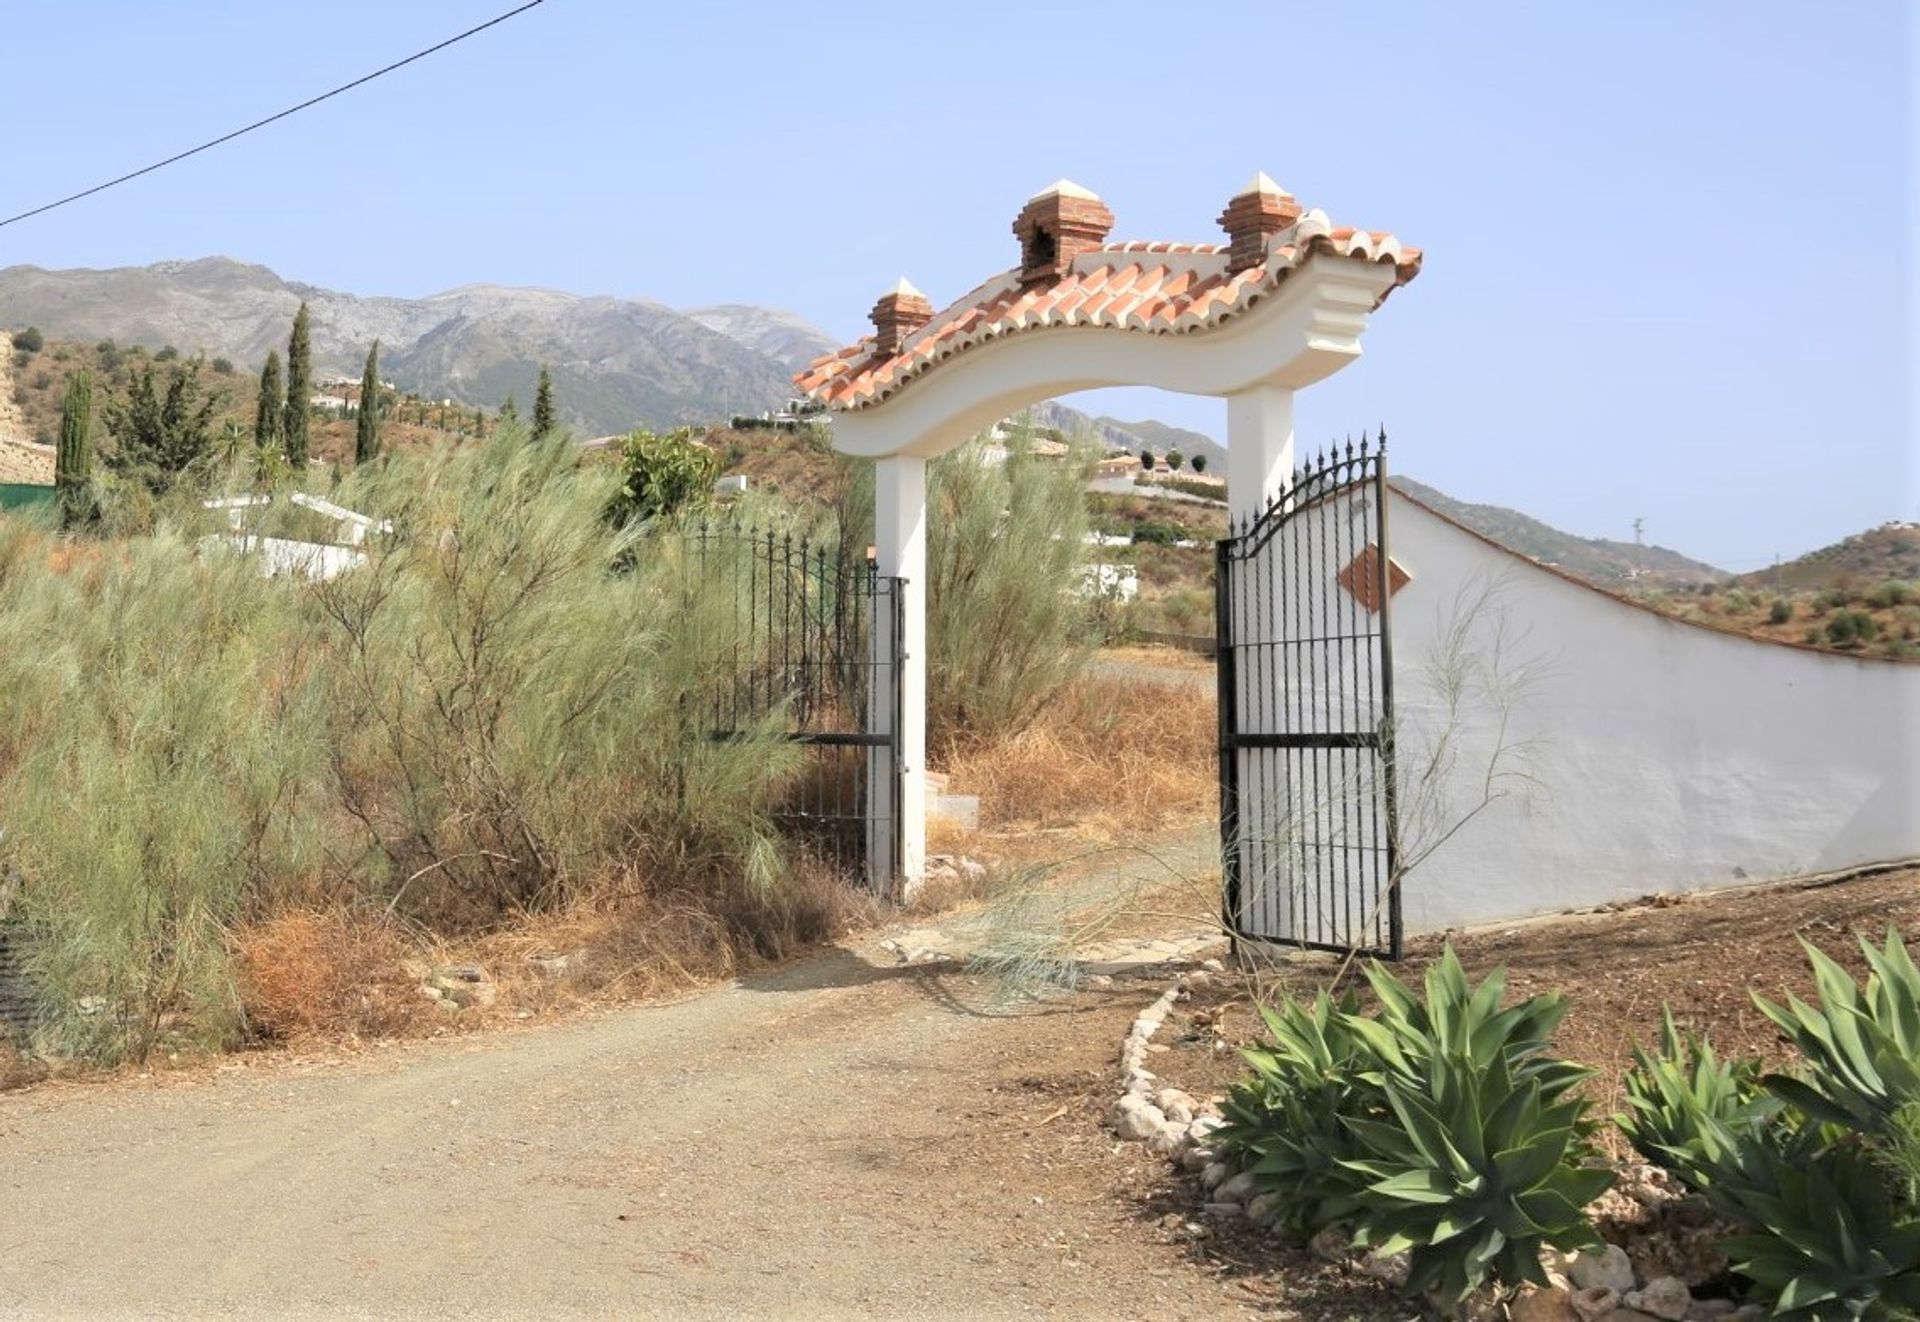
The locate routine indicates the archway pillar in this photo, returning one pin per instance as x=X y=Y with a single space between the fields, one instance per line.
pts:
x=900 y=551
x=1259 y=448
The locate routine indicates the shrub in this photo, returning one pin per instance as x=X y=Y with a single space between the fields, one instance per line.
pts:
x=1006 y=629
x=29 y=341
x=160 y=437
x=1893 y=592
x=662 y=476
x=1851 y=628
x=223 y=366
x=1781 y=611
x=167 y=354
x=1198 y=463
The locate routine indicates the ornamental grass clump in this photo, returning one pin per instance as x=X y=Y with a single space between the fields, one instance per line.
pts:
x=491 y=714
x=1818 y=1166
x=1440 y=1126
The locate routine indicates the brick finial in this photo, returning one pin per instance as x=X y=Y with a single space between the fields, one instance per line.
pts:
x=900 y=312
x=1057 y=225
x=1257 y=212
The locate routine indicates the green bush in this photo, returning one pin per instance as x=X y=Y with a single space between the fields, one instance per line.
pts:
x=1007 y=622
x=1851 y=628
x=482 y=718
x=29 y=341
x=1781 y=612
x=1893 y=592
x=662 y=475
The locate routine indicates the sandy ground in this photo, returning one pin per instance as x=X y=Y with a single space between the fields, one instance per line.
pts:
x=847 y=1137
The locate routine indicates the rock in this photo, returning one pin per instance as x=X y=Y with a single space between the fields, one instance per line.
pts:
x=1141 y=1084
x=1224 y=1211
x=1137 y=1119
x=1331 y=1245
x=1392 y=1268
x=1663 y=1296
x=1213 y=966
x=1196 y=1159
x=1264 y=1209
x=1710 y=1310
x=1215 y=1175
x=1198 y=981
x=1606 y=1266
x=1595 y=1302
x=1178 y=1106
x=1237 y=1189
x=1534 y=1304
x=557 y=966
x=464 y=985
x=1205 y=1124
x=1166 y=1140
x=1627 y=1315
x=1097 y=980
x=1651 y=1187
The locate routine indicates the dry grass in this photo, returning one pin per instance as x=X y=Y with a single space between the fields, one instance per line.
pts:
x=1108 y=757
x=309 y=974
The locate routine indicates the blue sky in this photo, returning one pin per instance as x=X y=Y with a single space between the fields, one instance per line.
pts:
x=1670 y=268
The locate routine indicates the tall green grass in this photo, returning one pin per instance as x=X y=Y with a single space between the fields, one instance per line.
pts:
x=490 y=715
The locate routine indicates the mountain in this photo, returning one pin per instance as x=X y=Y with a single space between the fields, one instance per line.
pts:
x=786 y=337
x=1867 y=559
x=616 y=363
x=1595 y=559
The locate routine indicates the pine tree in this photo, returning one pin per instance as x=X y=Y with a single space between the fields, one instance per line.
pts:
x=73 y=461
x=299 y=388
x=543 y=422
x=267 y=413
x=366 y=435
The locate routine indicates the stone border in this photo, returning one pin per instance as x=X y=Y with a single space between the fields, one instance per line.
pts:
x=1168 y=1121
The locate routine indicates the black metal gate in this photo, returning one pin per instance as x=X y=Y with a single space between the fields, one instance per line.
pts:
x=803 y=641
x=1308 y=816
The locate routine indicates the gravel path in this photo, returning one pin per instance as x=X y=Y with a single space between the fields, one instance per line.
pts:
x=842 y=1138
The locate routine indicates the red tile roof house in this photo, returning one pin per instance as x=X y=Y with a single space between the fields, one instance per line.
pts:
x=1281 y=304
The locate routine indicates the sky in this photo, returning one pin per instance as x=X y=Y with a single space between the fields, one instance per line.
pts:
x=1669 y=275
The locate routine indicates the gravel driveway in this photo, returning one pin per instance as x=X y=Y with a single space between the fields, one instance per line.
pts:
x=842 y=1138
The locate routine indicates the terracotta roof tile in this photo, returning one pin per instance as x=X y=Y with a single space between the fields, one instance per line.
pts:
x=1188 y=288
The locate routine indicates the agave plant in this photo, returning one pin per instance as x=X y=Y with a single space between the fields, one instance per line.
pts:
x=1830 y=1238
x=1285 y=1122
x=1483 y=1158
x=1690 y=1111
x=1861 y=1044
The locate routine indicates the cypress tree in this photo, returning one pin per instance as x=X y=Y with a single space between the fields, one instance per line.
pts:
x=299 y=388
x=509 y=411
x=267 y=413
x=479 y=423
x=73 y=461
x=366 y=435
x=543 y=422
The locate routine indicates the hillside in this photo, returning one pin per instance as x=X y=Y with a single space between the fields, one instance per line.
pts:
x=1891 y=551
x=787 y=338
x=1161 y=438
x=1596 y=559
x=616 y=363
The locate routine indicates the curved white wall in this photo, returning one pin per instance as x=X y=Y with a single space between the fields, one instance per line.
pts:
x=1645 y=754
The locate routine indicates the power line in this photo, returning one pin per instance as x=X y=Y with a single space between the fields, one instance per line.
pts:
x=262 y=123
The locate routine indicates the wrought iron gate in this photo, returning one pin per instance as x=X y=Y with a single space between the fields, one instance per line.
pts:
x=803 y=640
x=1308 y=815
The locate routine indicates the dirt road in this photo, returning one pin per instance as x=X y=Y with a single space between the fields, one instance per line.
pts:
x=843 y=1138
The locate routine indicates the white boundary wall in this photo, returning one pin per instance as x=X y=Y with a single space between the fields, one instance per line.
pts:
x=1645 y=754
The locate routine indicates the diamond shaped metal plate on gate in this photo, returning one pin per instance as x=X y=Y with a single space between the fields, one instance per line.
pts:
x=1361 y=577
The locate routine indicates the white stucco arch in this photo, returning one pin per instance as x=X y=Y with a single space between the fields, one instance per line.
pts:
x=1283 y=306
